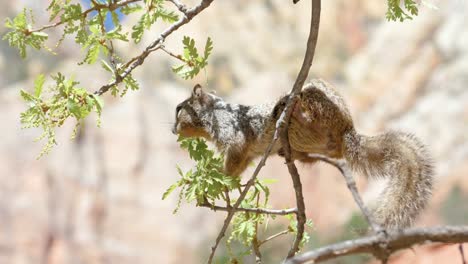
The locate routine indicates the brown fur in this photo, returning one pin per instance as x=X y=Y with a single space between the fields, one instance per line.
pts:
x=320 y=124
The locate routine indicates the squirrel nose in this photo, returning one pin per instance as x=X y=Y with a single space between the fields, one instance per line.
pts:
x=174 y=129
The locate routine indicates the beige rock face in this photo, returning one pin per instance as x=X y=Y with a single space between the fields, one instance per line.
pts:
x=97 y=199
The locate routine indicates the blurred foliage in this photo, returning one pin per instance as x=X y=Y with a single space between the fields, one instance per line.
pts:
x=454 y=210
x=355 y=227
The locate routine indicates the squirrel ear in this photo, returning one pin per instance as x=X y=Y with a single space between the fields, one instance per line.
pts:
x=197 y=90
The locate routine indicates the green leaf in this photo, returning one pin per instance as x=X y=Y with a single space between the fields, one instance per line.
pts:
x=170 y=190
x=166 y=16
x=20 y=21
x=208 y=48
x=115 y=19
x=81 y=35
x=74 y=108
x=26 y=96
x=139 y=27
x=131 y=83
x=99 y=103
x=40 y=34
x=54 y=9
x=106 y=66
x=38 y=84
x=193 y=61
x=128 y=9
x=268 y=181
x=177 y=69
x=93 y=53
x=117 y=34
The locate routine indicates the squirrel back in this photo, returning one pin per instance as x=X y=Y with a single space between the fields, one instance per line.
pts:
x=321 y=124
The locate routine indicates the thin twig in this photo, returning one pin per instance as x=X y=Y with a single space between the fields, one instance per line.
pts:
x=110 y=48
x=395 y=240
x=96 y=7
x=462 y=253
x=228 y=199
x=172 y=54
x=250 y=210
x=138 y=60
x=255 y=243
x=284 y=232
x=299 y=83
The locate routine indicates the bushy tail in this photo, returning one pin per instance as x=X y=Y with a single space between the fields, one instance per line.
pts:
x=404 y=160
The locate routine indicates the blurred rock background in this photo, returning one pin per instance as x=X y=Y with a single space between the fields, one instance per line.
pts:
x=97 y=199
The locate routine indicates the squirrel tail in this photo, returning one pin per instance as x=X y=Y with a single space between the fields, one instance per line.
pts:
x=404 y=160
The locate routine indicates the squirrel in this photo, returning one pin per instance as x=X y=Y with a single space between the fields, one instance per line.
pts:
x=320 y=124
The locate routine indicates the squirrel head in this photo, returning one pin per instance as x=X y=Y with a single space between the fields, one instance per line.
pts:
x=191 y=116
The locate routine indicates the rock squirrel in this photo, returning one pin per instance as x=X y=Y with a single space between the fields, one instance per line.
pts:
x=320 y=124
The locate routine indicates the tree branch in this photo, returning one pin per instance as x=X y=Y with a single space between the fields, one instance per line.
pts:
x=283 y=119
x=393 y=241
x=299 y=83
x=462 y=253
x=250 y=210
x=138 y=60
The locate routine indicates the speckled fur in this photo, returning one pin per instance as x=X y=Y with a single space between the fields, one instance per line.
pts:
x=320 y=124
x=241 y=132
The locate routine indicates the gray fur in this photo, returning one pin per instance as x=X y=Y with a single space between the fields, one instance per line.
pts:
x=320 y=124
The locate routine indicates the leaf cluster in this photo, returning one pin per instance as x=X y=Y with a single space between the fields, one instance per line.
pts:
x=244 y=225
x=88 y=29
x=293 y=229
x=49 y=109
x=396 y=12
x=154 y=10
x=207 y=184
x=193 y=61
x=21 y=34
